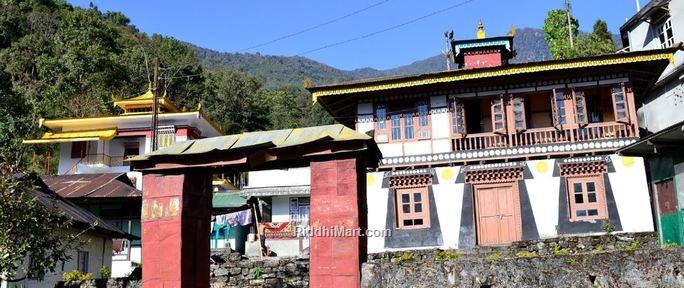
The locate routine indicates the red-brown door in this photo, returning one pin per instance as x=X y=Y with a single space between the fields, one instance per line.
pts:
x=498 y=214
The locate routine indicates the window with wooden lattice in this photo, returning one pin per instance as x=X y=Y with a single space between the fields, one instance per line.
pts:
x=424 y=120
x=499 y=115
x=559 y=109
x=620 y=104
x=580 y=107
x=413 y=208
x=587 y=198
x=458 y=118
x=519 y=121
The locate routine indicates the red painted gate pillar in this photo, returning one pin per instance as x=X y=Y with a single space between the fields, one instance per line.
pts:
x=337 y=205
x=176 y=212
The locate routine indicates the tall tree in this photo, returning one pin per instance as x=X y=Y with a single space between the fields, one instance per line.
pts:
x=557 y=34
x=236 y=101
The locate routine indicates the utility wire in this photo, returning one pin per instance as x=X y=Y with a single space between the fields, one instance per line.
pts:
x=386 y=29
x=314 y=27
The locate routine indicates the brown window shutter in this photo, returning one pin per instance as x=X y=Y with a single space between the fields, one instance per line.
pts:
x=458 y=118
x=558 y=107
x=498 y=115
x=620 y=104
x=581 y=107
x=518 y=118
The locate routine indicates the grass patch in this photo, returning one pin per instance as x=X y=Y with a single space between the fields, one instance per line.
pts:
x=560 y=251
x=526 y=254
x=633 y=246
x=598 y=249
x=447 y=255
x=670 y=246
x=404 y=257
x=495 y=256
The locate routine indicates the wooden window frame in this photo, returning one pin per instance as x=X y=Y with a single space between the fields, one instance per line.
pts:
x=580 y=104
x=664 y=33
x=624 y=103
x=499 y=101
x=131 y=145
x=392 y=126
x=555 y=108
x=79 y=149
x=456 y=114
x=412 y=215
x=423 y=127
x=382 y=132
x=513 y=119
x=599 y=204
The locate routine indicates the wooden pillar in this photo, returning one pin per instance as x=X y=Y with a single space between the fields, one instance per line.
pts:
x=337 y=202
x=176 y=212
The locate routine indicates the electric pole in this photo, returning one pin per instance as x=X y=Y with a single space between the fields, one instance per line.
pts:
x=155 y=105
x=449 y=36
x=567 y=11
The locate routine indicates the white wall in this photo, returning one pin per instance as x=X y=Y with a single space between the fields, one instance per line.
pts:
x=279 y=177
x=628 y=183
x=121 y=268
x=662 y=107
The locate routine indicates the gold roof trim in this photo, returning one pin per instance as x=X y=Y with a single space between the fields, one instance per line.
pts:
x=435 y=78
x=74 y=136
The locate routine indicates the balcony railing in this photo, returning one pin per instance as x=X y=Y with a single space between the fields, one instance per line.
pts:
x=549 y=135
x=104 y=159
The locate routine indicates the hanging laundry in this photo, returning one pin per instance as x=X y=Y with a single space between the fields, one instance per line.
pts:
x=241 y=218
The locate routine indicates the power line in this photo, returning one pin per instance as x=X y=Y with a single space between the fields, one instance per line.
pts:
x=314 y=27
x=386 y=29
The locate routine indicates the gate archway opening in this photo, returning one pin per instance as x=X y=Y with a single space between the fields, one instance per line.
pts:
x=177 y=190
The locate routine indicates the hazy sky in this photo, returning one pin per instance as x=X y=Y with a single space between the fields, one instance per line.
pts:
x=231 y=26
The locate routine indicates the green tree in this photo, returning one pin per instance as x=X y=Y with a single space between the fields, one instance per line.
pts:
x=599 y=42
x=236 y=101
x=34 y=239
x=556 y=33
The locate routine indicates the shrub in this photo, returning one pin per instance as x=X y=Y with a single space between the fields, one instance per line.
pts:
x=105 y=272
x=256 y=273
x=76 y=277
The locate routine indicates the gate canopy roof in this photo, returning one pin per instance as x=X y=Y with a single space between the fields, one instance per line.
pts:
x=261 y=150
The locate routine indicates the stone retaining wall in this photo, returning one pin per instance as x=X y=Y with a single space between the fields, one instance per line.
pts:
x=609 y=261
x=230 y=269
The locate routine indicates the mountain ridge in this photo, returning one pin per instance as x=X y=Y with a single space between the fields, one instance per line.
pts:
x=279 y=71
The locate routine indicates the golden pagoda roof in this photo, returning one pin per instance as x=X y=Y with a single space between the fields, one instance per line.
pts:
x=145 y=101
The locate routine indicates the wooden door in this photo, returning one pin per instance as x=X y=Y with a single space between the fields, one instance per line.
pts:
x=498 y=214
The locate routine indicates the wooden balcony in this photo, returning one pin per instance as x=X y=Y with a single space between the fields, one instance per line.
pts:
x=548 y=135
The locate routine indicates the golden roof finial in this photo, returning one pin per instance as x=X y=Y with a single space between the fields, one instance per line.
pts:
x=512 y=31
x=480 y=30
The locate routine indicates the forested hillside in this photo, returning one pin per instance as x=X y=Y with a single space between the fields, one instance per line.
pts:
x=282 y=70
x=58 y=61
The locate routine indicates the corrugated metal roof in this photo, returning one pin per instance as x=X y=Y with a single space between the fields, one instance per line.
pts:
x=269 y=139
x=111 y=185
x=82 y=218
x=228 y=200
x=276 y=191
